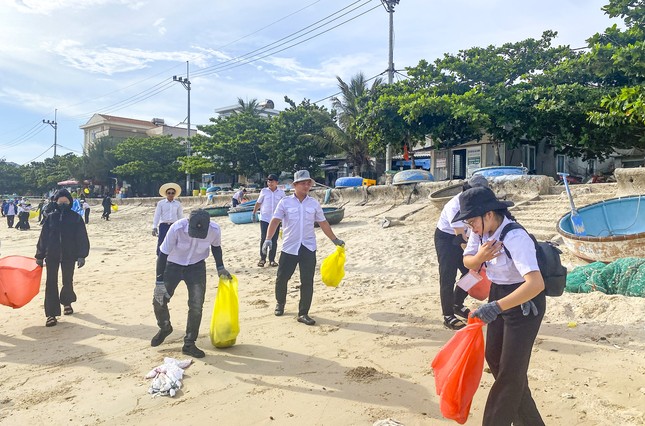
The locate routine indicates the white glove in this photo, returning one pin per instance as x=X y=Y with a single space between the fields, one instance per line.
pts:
x=160 y=292
x=267 y=246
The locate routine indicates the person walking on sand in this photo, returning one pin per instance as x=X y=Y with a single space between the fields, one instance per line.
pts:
x=23 y=216
x=267 y=203
x=238 y=197
x=86 y=211
x=107 y=207
x=182 y=257
x=63 y=243
x=297 y=213
x=168 y=211
x=10 y=211
x=516 y=306
x=448 y=240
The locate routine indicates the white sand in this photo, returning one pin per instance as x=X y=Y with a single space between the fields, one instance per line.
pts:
x=366 y=359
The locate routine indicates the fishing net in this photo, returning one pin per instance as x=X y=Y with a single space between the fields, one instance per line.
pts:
x=623 y=276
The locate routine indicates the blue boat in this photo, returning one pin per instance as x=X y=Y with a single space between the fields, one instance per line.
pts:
x=501 y=171
x=412 y=176
x=349 y=182
x=333 y=215
x=614 y=229
x=242 y=214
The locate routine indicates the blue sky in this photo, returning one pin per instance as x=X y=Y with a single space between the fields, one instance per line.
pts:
x=117 y=57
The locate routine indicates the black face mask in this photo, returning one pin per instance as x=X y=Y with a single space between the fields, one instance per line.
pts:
x=64 y=207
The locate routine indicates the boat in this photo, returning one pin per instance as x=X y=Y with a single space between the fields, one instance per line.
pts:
x=217 y=211
x=412 y=176
x=348 y=182
x=494 y=171
x=441 y=197
x=614 y=229
x=242 y=214
x=333 y=215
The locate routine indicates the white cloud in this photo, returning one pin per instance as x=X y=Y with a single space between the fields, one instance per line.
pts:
x=159 y=25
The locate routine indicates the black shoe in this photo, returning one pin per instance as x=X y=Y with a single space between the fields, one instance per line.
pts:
x=453 y=323
x=279 y=309
x=193 y=351
x=306 y=319
x=462 y=311
x=160 y=337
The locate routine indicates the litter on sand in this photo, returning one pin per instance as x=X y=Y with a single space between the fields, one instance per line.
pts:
x=166 y=378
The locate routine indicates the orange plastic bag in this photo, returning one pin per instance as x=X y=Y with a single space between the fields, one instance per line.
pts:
x=481 y=290
x=458 y=370
x=19 y=280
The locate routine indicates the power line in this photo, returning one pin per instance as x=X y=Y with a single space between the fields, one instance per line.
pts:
x=43 y=153
x=70 y=149
x=338 y=93
x=25 y=137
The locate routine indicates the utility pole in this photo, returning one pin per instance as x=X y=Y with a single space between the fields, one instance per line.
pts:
x=389 y=7
x=186 y=83
x=54 y=124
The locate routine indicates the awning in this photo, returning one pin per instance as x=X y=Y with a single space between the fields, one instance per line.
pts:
x=422 y=163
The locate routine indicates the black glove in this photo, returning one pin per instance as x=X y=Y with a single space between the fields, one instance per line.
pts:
x=40 y=262
x=80 y=262
x=488 y=312
x=338 y=242
x=155 y=232
x=223 y=273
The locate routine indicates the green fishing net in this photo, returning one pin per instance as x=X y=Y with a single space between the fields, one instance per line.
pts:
x=623 y=276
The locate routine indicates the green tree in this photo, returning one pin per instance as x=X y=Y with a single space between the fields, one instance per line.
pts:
x=98 y=160
x=11 y=181
x=42 y=176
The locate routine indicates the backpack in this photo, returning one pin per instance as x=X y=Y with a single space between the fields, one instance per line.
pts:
x=548 y=258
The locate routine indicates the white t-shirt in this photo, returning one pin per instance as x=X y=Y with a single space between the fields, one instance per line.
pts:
x=239 y=195
x=167 y=212
x=448 y=213
x=298 y=222
x=268 y=201
x=503 y=270
x=184 y=250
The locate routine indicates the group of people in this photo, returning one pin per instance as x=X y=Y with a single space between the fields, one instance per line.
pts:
x=17 y=207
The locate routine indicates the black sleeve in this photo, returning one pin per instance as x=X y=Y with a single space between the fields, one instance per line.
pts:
x=83 y=242
x=162 y=259
x=217 y=254
x=41 y=247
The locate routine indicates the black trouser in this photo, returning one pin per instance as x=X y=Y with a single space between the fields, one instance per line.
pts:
x=234 y=202
x=10 y=219
x=264 y=226
x=41 y=216
x=87 y=216
x=106 y=213
x=67 y=295
x=163 y=230
x=23 y=221
x=509 y=343
x=195 y=278
x=306 y=259
x=451 y=259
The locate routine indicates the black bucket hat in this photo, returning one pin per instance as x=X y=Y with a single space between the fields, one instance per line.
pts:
x=198 y=223
x=477 y=202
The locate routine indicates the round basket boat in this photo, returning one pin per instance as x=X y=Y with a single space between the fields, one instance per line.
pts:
x=333 y=215
x=614 y=229
x=242 y=214
x=412 y=176
x=493 y=171
x=441 y=197
x=217 y=211
x=349 y=182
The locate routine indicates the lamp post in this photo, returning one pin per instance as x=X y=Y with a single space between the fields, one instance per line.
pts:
x=389 y=8
x=186 y=83
x=54 y=124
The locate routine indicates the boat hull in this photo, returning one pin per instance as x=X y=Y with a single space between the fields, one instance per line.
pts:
x=242 y=215
x=441 y=197
x=500 y=171
x=217 y=211
x=333 y=215
x=412 y=176
x=348 y=182
x=614 y=229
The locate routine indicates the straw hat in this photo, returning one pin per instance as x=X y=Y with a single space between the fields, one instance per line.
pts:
x=170 y=185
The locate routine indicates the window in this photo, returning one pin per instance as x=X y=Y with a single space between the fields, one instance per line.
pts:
x=560 y=163
x=528 y=157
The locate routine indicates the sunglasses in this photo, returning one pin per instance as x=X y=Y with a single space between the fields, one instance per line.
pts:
x=170 y=193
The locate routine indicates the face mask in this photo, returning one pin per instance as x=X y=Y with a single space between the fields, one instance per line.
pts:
x=64 y=207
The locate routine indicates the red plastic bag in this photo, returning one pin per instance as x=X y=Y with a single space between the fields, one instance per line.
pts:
x=458 y=370
x=481 y=290
x=19 y=280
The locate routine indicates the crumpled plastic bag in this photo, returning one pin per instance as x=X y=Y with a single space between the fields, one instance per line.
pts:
x=332 y=269
x=166 y=378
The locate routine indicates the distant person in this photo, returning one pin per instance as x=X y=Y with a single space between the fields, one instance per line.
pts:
x=267 y=203
x=10 y=211
x=168 y=211
x=238 y=197
x=182 y=257
x=86 y=211
x=448 y=240
x=4 y=203
x=23 y=216
x=107 y=207
x=63 y=243
x=298 y=213
x=41 y=210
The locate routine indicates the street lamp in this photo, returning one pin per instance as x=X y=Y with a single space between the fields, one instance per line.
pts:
x=186 y=83
x=54 y=124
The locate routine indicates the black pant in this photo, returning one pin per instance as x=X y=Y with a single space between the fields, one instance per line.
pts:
x=306 y=259
x=106 y=213
x=67 y=295
x=195 y=278
x=234 y=202
x=264 y=226
x=23 y=221
x=10 y=219
x=87 y=216
x=509 y=343
x=163 y=230
x=451 y=259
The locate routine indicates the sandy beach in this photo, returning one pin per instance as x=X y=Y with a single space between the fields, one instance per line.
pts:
x=366 y=359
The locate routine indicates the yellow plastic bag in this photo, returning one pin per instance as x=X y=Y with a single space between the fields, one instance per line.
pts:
x=34 y=213
x=115 y=208
x=225 y=323
x=332 y=269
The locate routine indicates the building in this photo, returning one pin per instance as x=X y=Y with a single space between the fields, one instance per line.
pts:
x=265 y=109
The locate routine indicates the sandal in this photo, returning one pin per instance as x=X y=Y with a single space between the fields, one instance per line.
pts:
x=274 y=264
x=261 y=263
x=67 y=310
x=51 y=321
x=453 y=323
x=462 y=311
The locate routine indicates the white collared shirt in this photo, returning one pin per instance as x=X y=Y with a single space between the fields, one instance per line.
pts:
x=184 y=250
x=167 y=212
x=448 y=213
x=239 y=195
x=268 y=201
x=503 y=270
x=298 y=222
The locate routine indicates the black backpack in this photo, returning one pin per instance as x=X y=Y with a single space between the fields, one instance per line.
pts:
x=548 y=258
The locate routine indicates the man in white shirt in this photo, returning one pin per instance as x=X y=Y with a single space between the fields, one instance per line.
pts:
x=86 y=211
x=267 y=203
x=298 y=213
x=168 y=211
x=182 y=257
x=238 y=197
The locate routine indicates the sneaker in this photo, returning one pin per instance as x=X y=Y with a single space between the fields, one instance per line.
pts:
x=160 y=336
x=453 y=323
x=462 y=311
x=279 y=309
x=306 y=319
x=193 y=351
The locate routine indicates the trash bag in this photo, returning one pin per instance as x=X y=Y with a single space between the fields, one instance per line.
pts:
x=19 y=280
x=458 y=370
x=225 y=323
x=332 y=269
x=476 y=284
x=34 y=213
x=115 y=208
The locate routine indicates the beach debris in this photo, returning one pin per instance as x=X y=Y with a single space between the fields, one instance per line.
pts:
x=568 y=396
x=387 y=422
x=572 y=324
x=166 y=378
